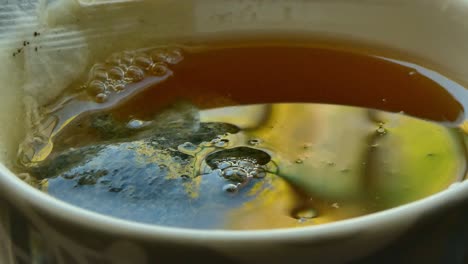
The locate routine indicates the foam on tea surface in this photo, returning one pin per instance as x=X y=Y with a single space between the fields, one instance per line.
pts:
x=247 y=137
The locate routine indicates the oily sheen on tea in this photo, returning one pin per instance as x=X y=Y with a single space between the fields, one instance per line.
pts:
x=254 y=135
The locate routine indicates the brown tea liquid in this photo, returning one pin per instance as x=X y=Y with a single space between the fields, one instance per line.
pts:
x=250 y=136
x=277 y=74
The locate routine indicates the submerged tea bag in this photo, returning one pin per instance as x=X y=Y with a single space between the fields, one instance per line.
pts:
x=50 y=46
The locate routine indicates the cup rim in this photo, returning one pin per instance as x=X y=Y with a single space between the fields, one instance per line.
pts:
x=26 y=195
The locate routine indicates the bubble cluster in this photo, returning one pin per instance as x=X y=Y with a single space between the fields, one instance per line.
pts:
x=127 y=67
x=238 y=165
x=240 y=169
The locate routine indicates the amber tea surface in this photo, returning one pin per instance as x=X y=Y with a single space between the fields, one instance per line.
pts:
x=248 y=135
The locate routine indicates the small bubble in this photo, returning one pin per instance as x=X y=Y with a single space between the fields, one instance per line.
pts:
x=214 y=141
x=224 y=165
x=171 y=56
x=229 y=172
x=116 y=73
x=221 y=143
x=235 y=174
x=126 y=58
x=375 y=145
x=255 y=142
x=101 y=98
x=335 y=205
x=412 y=73
x=299 y=161
x=23 y=176
x=136 y=124
x=245 y=164
x=185 y=177
x=242 y=173
x=331 y=164
x=307 y=146
x=384 y=100
x=217 y=172
x=158 y=69
x=175 y=56
x=115 y=189
x=103 y=76
x=98 y=67
x=96 y=87
x=381 y=130
x=307 y=213
x=230 y=188
x=188 y=146
x=143 y=61
x=105 y=182
x=118 y=87
x=98 y=72
x=345 y=170
x=135 y=74
x=258 y=174
x=38 y=140
x=430 y=154
x=158 y=55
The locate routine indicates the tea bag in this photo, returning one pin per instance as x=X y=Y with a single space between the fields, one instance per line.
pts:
x=47 y=46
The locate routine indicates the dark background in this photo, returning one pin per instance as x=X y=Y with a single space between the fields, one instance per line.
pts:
x=441 y=238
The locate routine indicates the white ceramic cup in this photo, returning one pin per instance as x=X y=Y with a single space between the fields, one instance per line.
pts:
x=36 y=228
